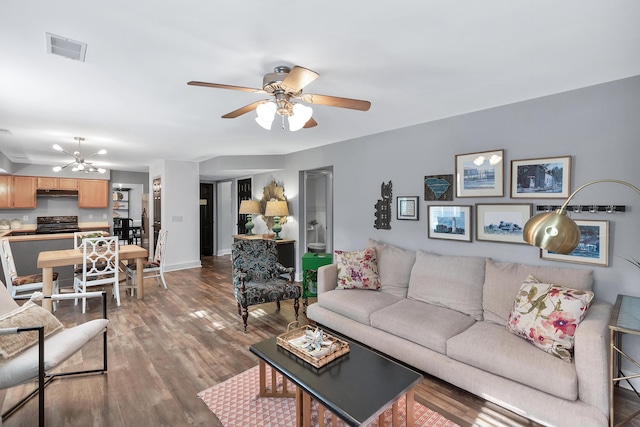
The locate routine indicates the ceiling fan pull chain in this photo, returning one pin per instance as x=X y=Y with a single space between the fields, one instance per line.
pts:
x=282 y=117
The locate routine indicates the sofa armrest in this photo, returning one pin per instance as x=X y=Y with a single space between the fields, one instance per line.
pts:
x=591 y=356
x=327 y=278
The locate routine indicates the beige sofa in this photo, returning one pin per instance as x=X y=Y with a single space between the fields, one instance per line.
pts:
x=446 y=316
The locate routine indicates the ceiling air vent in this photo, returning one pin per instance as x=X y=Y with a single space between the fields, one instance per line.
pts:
x=66 y=47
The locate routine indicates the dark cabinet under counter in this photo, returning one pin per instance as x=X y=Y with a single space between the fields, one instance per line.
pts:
x=286 y=248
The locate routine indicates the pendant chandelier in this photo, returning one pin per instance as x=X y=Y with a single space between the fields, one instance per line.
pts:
x=79 y=163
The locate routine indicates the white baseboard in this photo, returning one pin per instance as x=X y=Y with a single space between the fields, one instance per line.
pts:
x=183 y=266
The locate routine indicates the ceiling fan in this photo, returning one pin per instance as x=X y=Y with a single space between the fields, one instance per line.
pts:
x=285 y=85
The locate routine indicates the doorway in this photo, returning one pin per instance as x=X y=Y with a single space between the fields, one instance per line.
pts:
x=206 y=219
x=244 y=193
x=318 y=210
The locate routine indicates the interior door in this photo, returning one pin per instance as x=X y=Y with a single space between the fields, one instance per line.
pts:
x=244 y=193
x=157 y=209
x=206 y=219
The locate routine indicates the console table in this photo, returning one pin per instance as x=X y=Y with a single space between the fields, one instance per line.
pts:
x=625 y=319
x=286 y=248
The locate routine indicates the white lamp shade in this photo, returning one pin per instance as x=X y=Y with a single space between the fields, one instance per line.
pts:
x=301 y=115
x=266 y=112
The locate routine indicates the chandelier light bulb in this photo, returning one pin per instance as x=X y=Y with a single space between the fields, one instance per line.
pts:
x=102 y=152
x=57 y=168
x=57 y=147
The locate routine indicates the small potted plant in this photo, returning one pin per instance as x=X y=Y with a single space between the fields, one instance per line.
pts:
x=312 y=224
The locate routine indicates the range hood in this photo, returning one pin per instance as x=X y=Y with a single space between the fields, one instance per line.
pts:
x=57 y=193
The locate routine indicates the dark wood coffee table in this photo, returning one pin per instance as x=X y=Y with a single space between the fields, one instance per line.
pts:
x=357 y=387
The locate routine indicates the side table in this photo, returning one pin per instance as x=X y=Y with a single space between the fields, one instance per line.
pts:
x=625 y=319
x=310 y=263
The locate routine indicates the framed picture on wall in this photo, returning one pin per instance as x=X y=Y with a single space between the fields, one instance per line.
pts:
x=449 y=222
x=593 y=247
x=407 y=207
x=438 y=187
x=502 y=222
x=547 y=178
x=480 y=174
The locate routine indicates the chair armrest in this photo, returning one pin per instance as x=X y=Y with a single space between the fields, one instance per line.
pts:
x=286 y=270
x=327 y=278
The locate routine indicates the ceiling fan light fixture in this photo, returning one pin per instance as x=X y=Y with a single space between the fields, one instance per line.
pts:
x=266 y=113
x=301 y=115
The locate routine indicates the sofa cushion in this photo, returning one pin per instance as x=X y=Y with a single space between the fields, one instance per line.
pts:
x=428 y=325
x=394 y=267
x=357 y=269
x=547 y=316
x=490 y=347
x=453 y=282
x=503 y=280
x=29 y=314
x=355 y=304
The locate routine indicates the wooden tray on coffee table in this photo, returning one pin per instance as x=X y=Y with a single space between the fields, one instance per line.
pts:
x=293 y=338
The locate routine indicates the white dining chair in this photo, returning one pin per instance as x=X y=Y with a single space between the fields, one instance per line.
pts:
x=100 y=266
x=20 y=285
x=152 y=268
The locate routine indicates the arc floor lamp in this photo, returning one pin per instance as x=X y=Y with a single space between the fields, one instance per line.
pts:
x=555 y=231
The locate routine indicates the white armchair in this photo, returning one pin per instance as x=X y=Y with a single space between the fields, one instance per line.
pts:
x=32 y=358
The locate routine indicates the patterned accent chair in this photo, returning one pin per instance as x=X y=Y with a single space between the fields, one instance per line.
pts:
x=257 y=276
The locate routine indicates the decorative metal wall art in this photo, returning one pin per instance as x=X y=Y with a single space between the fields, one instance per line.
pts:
x=272 y=191
x=383 y=208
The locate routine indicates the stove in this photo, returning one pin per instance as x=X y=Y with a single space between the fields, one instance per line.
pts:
x=57 y=224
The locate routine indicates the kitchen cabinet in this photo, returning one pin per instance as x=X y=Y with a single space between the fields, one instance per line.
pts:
x=17 y=192
x=53 y=183
x=93 y=193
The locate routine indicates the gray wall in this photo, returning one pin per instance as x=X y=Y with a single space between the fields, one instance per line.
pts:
x=598 y=126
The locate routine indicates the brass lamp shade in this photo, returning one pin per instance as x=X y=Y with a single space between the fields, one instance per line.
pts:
x=249 y=207
x=276 y=208
x=553 y=231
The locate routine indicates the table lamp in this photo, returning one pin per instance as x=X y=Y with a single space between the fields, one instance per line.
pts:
x=276 y=209
x=555 y=231
x=249 y=207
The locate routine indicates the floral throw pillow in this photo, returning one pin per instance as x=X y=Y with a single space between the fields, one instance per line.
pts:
x=357 y=270
x=547 y=316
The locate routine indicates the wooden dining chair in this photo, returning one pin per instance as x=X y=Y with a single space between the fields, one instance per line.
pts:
x=18 y=285
x=100 y=266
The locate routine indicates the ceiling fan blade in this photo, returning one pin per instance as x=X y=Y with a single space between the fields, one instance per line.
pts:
x=221 y=86
x=243 y=110
x=310 y=123
x=334 y=101
x=298 y=78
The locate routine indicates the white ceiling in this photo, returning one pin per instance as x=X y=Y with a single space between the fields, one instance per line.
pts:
x=415 y=61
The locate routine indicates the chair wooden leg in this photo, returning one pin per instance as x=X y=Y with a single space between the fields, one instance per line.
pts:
x=296 y=306
x=278 y=304
x=245 y=316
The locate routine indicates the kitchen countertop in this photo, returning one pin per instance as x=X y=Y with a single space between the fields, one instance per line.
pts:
x=31 y=228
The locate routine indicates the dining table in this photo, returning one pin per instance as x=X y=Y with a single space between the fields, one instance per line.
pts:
x=47 y=260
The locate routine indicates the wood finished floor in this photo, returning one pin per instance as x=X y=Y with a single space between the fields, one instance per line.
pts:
x=165 y=349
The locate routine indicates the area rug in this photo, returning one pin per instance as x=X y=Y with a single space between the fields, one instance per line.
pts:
x=236 y=403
